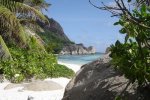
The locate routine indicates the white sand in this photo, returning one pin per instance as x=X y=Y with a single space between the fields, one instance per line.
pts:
x=74 y=67
x=19 y=94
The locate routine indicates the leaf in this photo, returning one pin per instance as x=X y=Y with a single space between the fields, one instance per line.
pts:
x=9 y=9
x=123 y=31
x=116 y=23
x=129 y=0
x=126 y=38
x=9 y=21
x=143 y=10
x=117 y=43
x=22 y=8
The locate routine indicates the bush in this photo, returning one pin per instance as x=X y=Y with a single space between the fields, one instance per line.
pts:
x=32 y=62
x=27 y=64
x=132 y=57
x=63 y=71
x=127 y=59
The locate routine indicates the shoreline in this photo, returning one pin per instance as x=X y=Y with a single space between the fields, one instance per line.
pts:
x=17 y=92
x=74 y=67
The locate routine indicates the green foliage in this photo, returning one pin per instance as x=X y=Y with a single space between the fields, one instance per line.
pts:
x=54 y=47
x=127 y=58
x=132 y=57
x=54 y=43
x=10 y=22
x=63 y=71
x=32 y=62
x=38 y=4
x=118 y=98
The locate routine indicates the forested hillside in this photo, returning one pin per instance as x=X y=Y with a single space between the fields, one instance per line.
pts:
x=53 y=35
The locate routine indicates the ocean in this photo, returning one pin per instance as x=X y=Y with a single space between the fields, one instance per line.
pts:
x=79 y=59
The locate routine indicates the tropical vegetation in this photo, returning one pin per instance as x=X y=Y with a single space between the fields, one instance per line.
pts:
x=54 y=43
x=132 y=57
x=23 y=55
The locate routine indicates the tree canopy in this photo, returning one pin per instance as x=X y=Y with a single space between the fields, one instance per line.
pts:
x=132 y=57
x=10 y=22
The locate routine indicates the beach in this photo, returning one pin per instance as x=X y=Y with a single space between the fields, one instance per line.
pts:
x=10 y=91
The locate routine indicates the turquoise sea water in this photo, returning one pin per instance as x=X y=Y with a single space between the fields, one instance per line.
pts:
x=79 y=59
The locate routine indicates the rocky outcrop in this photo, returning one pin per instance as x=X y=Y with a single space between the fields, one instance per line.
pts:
x=66 y=46
x=56 y=34
x=78 y=49
x=107 y=50
x=42 y=86
x=99 y=81
x=54 y=27
x=36 y=86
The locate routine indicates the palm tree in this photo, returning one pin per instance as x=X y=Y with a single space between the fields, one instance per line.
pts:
x=10 y=24
x=38 y=4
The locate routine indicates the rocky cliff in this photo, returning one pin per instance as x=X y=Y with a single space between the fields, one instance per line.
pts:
x=77 y=49
x=54 y=35
x=54 y=27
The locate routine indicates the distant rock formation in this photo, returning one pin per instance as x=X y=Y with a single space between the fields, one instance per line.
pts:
x=68 y=47
x=99 y=81
x=77 y=49
x=107 y=50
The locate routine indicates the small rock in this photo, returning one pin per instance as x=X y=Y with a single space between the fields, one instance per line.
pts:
x=42 y=86
x=30 y=98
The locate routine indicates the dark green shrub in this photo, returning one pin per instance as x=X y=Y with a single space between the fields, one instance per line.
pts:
x=63 y=71
x=132 y=57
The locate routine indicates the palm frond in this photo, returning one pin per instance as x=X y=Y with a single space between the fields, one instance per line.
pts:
x=21 y=8
x=8 y=20
x=9 y=23
x=30 y=11
x=38 y=4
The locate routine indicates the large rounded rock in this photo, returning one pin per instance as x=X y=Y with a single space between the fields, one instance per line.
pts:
x=99 y=81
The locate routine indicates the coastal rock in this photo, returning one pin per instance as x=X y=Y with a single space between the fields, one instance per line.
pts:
x=107 y=50
x=99 y=81
x=36 y=86
x=91 y=49
x=77 y=49
x=42 y=86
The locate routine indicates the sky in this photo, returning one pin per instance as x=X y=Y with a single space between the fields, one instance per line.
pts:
x=83 y=23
